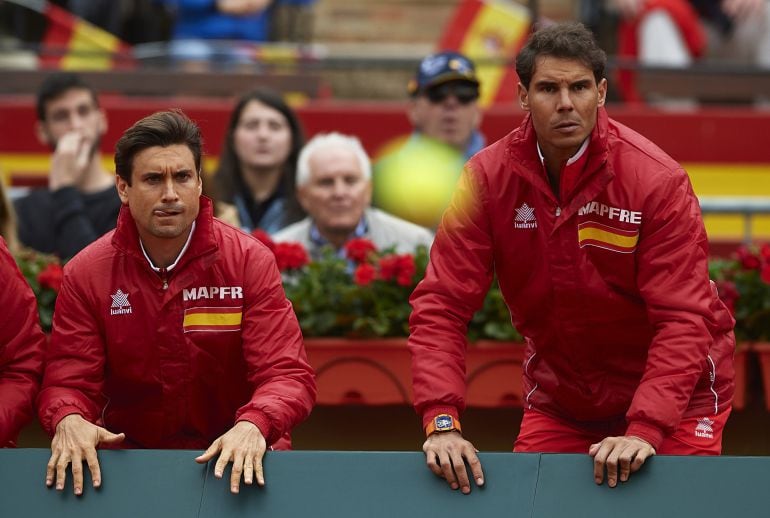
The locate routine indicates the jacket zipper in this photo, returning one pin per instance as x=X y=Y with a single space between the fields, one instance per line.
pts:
x=558 y=211
x=164 y=278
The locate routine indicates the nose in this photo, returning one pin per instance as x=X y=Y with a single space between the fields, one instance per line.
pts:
x=169 y=191
x=565 y=101
x=340 y=189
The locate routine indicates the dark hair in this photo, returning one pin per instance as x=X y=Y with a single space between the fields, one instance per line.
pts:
x=228 y=179
x=159 y=129
x=567 y=41
x=55 y=85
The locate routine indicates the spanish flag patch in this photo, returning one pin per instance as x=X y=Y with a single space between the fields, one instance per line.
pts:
x=212 y=319
x=592 y=233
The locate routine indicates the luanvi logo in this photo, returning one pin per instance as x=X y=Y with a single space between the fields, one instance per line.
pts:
x=525 y=217
x=120 y=303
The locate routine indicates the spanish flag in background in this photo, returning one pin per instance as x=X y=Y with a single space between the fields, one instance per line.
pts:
x=76 y=44
x=490 y=30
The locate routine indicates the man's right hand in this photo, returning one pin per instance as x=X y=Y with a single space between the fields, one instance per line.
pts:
x=70 y=160
x=76 y=439
x=446 y=454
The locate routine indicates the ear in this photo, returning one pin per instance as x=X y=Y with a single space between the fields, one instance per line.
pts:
x=302 y=197
x=368 y=193
x=42 y=134
x=602 y=88
x=122 y=187
x=200 y=183
x=414 y=113
x=102 y=122
x=523 y=97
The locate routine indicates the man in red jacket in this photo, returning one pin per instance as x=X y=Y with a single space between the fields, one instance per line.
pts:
x=21 y=350
x=173 y=329
x=597 y=241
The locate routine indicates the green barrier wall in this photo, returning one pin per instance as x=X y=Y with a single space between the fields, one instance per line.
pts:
x=374 y=484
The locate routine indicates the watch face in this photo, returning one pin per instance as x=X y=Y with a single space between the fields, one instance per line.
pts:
x=444 y=422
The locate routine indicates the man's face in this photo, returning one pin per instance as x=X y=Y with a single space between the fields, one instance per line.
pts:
x=448 y=112
x=336 y=194
x=563 y=98
x=262 y=138
x=73 y=111
x=164 y=193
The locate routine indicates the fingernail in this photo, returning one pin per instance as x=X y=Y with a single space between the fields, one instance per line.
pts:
x=218 y=474
x=234 y=489
x=479 y=481
x=59 y=486
x=466 y=490
x=78 y=491
x=48 y=482
x=454 y=485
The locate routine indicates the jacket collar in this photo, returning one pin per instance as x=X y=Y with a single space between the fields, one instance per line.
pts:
x=524 y=160
x=126 y=237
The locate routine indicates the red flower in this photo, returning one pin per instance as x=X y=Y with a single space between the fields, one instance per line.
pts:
x=51 y=277
x=359 y=249
x=290 y=256
x=264 y=237
x=389 y=267
x=765 y=252
x=748 y=260
x=765 y=273
x=364 y=274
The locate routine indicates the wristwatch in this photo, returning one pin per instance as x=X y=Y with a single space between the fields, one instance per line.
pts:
x=443 y=423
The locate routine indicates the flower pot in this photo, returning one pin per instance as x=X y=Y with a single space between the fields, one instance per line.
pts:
x=378 y=372
x=741 y=367
x=762 y=350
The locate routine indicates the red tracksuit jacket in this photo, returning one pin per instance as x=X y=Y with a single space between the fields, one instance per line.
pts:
x=609 y=285
x=21 y=349
x=176 y=367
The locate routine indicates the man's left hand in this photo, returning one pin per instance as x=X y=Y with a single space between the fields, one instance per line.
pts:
x=621 y=456
x=244 y=446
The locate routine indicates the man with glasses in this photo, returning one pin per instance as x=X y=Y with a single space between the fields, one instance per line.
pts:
x=416 y=181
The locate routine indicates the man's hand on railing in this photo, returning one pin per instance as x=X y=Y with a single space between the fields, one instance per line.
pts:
x=76 y=440
x=244 y=446
x=621 y=456
x=446 y=454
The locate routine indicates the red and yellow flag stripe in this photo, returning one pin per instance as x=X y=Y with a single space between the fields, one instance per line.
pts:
x=487 y=30
x=592 y=233
x=212 y=319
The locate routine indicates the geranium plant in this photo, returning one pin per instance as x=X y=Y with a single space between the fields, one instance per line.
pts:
x=44 y=274
x=364 y=292
x=744 y=285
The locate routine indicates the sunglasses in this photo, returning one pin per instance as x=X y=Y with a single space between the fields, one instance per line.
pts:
x=465 y=93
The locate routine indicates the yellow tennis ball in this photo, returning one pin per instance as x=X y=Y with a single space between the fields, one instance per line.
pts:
x=416 y=181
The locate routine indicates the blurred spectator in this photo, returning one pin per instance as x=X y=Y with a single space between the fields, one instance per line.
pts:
x=256 y=171
x=80 y=203
x=416 y=181
x=207 y=32
x=334 y=186
x=21 y=350
x=674 y=33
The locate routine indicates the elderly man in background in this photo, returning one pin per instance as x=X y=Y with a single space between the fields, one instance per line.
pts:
x=334 y=187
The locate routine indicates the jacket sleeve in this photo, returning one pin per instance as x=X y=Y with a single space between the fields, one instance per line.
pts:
x=73 y=378
x=283 y=382
x=21 y=350
x=673 y=280
x=456 y=281
x=73 y=230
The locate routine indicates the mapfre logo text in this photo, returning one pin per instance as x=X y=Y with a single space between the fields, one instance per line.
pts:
x=613 y=213
x=213 y=292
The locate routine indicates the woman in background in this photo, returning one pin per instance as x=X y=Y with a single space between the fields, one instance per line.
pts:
x=255 y=178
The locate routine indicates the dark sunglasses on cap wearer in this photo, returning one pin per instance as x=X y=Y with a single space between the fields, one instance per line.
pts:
x=465 y=93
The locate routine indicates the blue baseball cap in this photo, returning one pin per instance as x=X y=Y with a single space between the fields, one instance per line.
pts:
x=440 y=68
